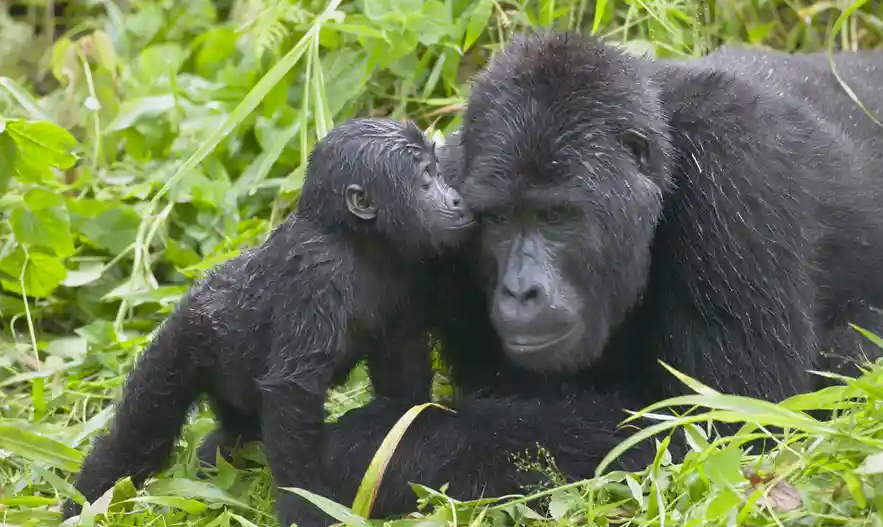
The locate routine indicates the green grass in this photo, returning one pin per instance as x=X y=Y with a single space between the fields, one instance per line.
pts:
x=140 y=146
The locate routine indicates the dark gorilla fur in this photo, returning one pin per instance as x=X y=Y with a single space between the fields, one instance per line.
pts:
x=722 y=215
x=265 y=334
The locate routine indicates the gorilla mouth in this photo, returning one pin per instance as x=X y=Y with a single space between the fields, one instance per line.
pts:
x=460 y=226
x=532 y=345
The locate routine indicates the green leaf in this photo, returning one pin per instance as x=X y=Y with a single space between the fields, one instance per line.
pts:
x=481 y=12
x=114 y=229
x=377 y=10
x=403 y=8
x=40 y=449
x=188 y=488
x=43 y=144
x=86 y=274
x=42 y=221
x=722 y=504
x=43 y=274
x=335 y=510
x=123 y=491
x=724 y=467
x=135 y=109
x=370 y=485
x=64 y=487
x=187 y=505
x=872 y=464
x=434 y=23
x=600 y=9
x=692 y=383
x=8 y=156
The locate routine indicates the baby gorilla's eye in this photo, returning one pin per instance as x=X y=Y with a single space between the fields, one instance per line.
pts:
x=426 y=179
x=637 y=145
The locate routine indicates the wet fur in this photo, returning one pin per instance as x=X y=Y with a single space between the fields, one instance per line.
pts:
x=766 y=242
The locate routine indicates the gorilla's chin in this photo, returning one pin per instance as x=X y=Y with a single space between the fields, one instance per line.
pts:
x=547 y=353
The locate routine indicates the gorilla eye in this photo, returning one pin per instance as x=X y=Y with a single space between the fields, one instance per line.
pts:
x=551 y=216
x=637 y=145
x=425 y=179
x=492 y=218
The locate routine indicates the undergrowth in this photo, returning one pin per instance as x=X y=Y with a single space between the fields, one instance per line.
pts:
x=144 y=142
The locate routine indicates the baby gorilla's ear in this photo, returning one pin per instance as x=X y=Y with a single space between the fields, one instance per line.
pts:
x=358 y=203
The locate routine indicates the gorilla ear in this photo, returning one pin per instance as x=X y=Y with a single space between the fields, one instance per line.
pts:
x=358 y=203
x=638 y=145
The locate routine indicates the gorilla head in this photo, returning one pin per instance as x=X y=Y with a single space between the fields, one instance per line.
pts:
x=566 y=157
x=379 y=178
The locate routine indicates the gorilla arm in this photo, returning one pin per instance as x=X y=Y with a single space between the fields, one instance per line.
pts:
x=300 y=367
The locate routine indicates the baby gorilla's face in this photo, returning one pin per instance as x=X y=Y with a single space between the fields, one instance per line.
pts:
x=444 y=214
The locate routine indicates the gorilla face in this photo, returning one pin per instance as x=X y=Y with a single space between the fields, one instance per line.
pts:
x=566 y=176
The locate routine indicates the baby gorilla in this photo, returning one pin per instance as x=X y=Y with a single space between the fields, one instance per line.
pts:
x=264 y=335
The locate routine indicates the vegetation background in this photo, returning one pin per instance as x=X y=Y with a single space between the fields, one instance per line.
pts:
x=144 y=141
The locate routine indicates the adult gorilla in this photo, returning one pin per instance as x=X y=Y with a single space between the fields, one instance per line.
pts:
x=722 y=215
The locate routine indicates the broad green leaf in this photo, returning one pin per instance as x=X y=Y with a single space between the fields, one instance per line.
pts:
x=114 y=229
x=377 y=10
x=73 y=347
x=42 y=276
x=724 y=467
x=123 y=491
x=722 y=504
x=103 y=47
x=86 y=274
x=43 y=144
x=42 y=221
x=406 y=7
x=39 y=448
x=434 y=23
x=133 y=110
x=217 y=45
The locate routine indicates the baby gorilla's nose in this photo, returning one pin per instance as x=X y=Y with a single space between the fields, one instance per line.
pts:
x=453 y=200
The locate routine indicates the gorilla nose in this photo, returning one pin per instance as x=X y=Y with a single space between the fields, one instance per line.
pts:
x=454 y=201
x=521 y=303
x=524 y=295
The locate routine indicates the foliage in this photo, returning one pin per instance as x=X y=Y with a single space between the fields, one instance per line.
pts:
x=143 y=142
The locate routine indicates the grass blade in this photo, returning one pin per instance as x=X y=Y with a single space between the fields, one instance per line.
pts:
x=374 y=475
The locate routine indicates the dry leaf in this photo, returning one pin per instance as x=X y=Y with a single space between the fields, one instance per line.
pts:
x=783 y=497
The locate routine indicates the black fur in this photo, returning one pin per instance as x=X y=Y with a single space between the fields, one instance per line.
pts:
x=265 y=334
x=722 y=215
